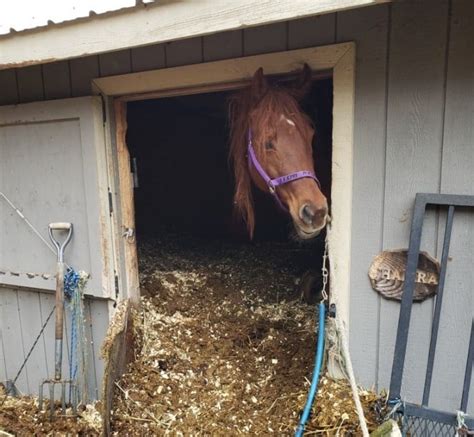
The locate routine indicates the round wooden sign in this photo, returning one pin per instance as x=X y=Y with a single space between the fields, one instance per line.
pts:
x=387 y=275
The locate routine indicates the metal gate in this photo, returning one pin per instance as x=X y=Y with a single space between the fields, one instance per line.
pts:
x=421 y=420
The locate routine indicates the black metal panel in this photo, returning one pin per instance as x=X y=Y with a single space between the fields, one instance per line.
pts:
x=421 y=420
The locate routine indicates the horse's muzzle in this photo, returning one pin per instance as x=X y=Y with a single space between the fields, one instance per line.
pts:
x=311 y=221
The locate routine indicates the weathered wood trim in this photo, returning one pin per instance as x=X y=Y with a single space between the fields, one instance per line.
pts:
x=127 y=206
x=167 y=20
x=116 y=352
x=220 y=72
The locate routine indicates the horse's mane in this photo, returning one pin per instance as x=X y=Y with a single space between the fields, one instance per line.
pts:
x=264 y=113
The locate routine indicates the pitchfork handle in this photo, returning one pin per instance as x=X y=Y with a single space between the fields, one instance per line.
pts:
x=59 y=322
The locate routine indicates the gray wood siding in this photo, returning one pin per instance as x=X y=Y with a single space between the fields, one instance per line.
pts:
x=22 y=314
x=369 y=28
x=413 y=156
x=414 y=117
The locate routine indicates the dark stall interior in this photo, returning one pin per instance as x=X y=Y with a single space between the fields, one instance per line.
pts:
x=180 y=147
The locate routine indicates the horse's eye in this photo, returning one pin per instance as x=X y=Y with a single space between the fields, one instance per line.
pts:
x=269 y=145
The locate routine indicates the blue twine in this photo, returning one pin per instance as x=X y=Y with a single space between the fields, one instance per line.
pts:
x=71 y=282
x=71 y=291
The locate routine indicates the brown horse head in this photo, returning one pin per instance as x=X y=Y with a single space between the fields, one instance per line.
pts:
x=281 y=136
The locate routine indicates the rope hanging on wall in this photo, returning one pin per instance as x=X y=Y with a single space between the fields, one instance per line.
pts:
x=74 y=287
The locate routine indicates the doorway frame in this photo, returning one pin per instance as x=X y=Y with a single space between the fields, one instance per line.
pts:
x=337 y=60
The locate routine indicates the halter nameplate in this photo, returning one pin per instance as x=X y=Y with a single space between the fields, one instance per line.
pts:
x=281 y=180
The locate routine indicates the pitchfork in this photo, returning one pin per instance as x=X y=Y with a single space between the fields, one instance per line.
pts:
x=59 y=328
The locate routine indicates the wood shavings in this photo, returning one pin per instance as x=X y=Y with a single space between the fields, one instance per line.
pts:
x=21 y=416
x=222 y=352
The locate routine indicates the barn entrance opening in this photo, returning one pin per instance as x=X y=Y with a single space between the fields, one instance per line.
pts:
x=179 y=147
x=223 y=325
x=184 y=183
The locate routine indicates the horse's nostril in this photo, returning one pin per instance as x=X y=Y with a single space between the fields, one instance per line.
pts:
x=309 y=214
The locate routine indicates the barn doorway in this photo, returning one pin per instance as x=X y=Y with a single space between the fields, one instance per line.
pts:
x=184 y=186
x=222 y=331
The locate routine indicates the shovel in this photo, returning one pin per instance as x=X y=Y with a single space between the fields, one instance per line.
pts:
x=59 y=327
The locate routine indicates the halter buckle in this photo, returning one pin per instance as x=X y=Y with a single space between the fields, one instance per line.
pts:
x=271 y=188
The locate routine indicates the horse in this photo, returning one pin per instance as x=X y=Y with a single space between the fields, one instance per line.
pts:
x=271 y=146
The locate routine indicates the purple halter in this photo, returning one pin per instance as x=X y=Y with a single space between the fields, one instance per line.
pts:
x=272 y=184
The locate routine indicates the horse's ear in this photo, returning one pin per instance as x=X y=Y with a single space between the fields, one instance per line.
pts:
x=303 y=83
x=259 y=85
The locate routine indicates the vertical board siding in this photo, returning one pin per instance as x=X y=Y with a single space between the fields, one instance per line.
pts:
x=57 y=80
x=312 y=31
x=457 y=176
x=266 y=39
x=98 y=317
x=30 y=316
x=13 y=352
x=3 y=360
x=83 y=70
x=223 y=46
x=111 y=64
x=183 y=52
x=148 y=58
x=30 y=84
x=369 y=29
x=8 y=87
x=414 y=141
x=22 y=314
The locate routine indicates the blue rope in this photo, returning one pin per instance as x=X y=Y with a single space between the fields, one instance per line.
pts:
x=71 y=291
x=71 y=282
x=317 y=371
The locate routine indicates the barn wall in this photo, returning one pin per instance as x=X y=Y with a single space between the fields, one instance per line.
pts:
x=413 y=132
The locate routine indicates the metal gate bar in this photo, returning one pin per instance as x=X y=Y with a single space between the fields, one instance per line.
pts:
x=422 y=200
x=468 y=372
x=439 y=302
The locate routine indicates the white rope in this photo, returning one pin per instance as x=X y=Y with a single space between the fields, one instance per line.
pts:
x=37 y=233
x=30 y=225
x=350 y=373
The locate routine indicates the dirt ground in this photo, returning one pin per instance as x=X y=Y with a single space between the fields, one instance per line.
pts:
x=226 y=347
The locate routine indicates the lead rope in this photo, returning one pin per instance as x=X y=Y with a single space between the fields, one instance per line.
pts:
x=319 y=350
x=345 y=352
x=350 y=373
x=345 y=349
x=325 y=272
x=319 y=358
